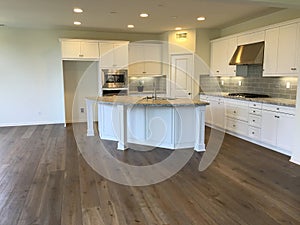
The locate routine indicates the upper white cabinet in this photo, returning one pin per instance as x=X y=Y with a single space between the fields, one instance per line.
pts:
x=145 y=59
x=113 y=54
x=79 y=50
x=251 y=38
x=221 y=53
x=282 y=51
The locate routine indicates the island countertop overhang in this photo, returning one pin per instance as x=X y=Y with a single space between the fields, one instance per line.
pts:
x=133 y=100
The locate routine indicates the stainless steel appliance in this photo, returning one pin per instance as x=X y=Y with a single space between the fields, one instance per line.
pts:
x=114 y=82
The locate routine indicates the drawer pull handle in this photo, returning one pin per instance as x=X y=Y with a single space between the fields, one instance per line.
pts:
x=254 y=104
x=253 y=111
x=234 y=111
x=277 y=117
x=80 y=55
x=293 y=68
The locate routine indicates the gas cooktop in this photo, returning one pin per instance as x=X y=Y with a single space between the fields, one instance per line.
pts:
x=248 y=95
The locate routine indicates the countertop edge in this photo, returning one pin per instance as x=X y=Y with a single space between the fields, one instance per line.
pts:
x=271 y=101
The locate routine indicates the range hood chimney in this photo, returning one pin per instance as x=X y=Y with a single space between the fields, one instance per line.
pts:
x=250 y=54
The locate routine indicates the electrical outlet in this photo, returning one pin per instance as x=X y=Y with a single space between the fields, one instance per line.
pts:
x=240 y=83
x=222 y=82
x=288 y=84
x=82 y=110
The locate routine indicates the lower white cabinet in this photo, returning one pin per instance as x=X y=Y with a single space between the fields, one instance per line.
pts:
x=276 y=130
x=265 y=124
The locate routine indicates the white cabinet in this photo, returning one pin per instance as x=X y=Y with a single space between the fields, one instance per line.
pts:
x=221 y=53
x=145 y=59
x=79 y=50
x=113 y=54
x=277 y=124
x=251 y=38
x=282 y=51
x=217 y=111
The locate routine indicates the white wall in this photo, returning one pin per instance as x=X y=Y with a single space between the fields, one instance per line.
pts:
x=31 y=78
x=296 y=151
x=31 y=87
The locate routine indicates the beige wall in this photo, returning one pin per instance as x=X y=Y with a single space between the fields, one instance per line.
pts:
x=177 y=46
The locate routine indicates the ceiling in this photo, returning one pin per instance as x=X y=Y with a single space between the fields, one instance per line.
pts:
x=115 y=15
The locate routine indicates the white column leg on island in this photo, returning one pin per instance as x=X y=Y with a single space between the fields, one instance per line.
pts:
x=90 y=117
x=122 y=127
x=200 y=129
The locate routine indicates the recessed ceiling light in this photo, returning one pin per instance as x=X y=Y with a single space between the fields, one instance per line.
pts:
x=178 y=28
x=77 y=10
x=130 y=26
x=77 y=23
x=201 y=18
x=144 y=15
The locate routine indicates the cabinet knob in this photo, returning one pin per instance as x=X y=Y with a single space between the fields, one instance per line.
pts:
x=189 y=93
x=144 y=72
x=233 y=125
x=253 y=132
x=81 y=55
x=253 y=111
x=217 y=71
x=277 y=108
x=253 y=120
x=234 y=111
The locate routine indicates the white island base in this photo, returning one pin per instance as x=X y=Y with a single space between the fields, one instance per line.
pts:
x=158 y=125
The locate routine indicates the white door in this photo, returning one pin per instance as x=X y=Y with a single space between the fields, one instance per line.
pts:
x=181 y=75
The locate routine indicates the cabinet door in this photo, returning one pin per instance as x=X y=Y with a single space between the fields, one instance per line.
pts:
x=271 y=52
x=106 y=55
x=218 y=58
x=136 y=60
x=231 y=47
x=218 y=113
x=153 y=59
x=70 y=49
x=286 y=123
x=269 y=127
x=121 y=55
x=287 y=50
x=89 y=50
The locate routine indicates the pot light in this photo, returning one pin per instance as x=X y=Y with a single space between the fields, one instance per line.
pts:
x=130 y=26
x=77 y=23
x=77 y=10
x=178 y=28
x=201 y=18
x=144 y=15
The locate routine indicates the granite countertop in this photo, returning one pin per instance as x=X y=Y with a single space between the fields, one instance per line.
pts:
x=275 y=101
x=160 y=101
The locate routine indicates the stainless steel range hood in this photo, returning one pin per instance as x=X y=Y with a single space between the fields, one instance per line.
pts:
x=250 y=54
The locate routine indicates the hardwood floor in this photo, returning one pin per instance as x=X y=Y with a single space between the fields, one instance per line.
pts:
x=45 y=180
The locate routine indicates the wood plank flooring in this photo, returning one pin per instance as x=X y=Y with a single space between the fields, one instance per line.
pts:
x=44 y=180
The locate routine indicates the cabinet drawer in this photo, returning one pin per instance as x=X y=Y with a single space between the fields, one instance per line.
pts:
x=256 y=105
x=255 y=121
x=255 y=111
x=236 y=126
x=254 y=133
x=279 y=108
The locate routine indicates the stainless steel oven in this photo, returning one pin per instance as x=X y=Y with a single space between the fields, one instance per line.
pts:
x=114 y=82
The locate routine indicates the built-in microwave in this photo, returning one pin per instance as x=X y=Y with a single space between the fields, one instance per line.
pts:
x=114 y=78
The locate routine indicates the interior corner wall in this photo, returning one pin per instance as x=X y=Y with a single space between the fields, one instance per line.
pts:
x=31 y=75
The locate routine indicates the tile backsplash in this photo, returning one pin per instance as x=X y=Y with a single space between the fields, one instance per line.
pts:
x=275 y=87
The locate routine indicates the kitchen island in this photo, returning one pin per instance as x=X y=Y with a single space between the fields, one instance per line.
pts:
x=162 y=122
